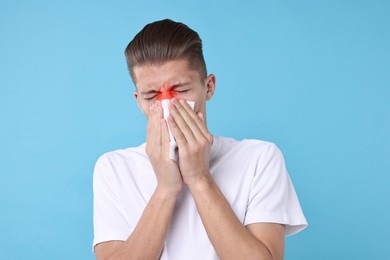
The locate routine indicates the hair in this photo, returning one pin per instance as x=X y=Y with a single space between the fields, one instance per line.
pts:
x=163 y=41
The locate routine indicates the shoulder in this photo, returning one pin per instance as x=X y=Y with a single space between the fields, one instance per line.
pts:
x=115 y=163
x=121 y=155
x=254 y=147
x=264 y=149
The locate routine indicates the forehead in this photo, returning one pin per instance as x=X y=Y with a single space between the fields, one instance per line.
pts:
x=164 y=75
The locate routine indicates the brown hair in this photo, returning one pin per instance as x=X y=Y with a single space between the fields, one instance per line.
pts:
x=163 y=41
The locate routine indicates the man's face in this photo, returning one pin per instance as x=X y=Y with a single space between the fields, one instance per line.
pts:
x=172 y=79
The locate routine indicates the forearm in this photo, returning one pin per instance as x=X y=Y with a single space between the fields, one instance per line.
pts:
x=147 y=239
x=229 y=237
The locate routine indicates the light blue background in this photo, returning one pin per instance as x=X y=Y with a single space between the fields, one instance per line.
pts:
x=311 y=76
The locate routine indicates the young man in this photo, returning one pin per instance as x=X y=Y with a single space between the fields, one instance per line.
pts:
x=222 y=198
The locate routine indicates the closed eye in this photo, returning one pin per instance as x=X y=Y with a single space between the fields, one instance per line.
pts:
x=182 y=91
x=150 y=98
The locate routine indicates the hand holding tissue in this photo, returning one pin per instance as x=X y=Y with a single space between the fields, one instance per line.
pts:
x=173 y=153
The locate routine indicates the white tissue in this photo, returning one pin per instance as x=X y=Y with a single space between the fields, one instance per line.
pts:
x=173 y=153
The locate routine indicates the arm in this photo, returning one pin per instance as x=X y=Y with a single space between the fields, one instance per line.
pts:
x=147 y=239
x=229 y=237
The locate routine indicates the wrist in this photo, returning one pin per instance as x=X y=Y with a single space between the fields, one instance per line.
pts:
x=201 y=184
x=167 y=193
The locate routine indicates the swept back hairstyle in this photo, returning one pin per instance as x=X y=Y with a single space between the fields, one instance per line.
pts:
x=163 y=41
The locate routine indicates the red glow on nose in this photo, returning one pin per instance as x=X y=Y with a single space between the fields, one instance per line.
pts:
x=166 y=95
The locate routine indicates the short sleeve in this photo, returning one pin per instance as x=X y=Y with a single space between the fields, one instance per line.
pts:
x=272 y=198
x=109 y=218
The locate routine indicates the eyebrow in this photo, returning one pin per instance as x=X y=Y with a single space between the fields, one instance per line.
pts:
x=174 y=86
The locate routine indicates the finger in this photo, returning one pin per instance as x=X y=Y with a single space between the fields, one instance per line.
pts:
x=203 y=127
x=154 y=128
x=181 y=140
x=181 y=119
x=196 y=124
x=164 y=138
x=187 y=108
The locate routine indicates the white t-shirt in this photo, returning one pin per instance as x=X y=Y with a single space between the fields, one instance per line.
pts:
x=250 y=173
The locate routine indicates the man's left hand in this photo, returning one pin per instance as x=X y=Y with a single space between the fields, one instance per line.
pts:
x=193 y=141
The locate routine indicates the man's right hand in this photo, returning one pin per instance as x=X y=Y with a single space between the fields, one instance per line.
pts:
x=169 y=180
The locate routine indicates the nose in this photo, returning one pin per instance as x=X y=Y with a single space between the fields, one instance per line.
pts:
x=166 y=95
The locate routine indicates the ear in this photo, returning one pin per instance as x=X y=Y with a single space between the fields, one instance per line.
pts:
x=136 y=98
x=210 y=83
